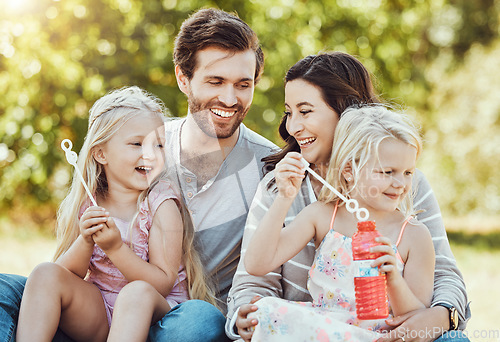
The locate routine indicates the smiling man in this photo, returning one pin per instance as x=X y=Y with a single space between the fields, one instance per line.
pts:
x=217 y=159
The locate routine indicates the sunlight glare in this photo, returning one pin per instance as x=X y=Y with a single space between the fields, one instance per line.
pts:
x=15 y=5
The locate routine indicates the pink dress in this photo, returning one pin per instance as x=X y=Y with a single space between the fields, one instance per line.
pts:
x=108 y=278
x=332 y=314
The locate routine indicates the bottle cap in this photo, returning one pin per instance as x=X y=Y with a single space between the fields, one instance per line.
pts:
x=366 y=225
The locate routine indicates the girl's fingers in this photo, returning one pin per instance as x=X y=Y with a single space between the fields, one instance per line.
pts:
x=382 y=249
x=93 y=230
x=88 y=223
x=93 y=212
x=384 y=260
x=384 y=240
x=387 y=268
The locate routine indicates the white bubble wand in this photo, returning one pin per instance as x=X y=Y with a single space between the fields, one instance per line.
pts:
x=72 y=158
x=351 y=205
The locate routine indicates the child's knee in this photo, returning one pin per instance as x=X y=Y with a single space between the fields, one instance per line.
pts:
x=47 y=273
x=137 y=292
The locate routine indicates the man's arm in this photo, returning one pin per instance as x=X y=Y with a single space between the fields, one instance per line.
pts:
x=449 y=286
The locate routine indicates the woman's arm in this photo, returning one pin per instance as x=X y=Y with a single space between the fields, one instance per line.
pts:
x=272 y=245
x=165 y=249
x=449 y=286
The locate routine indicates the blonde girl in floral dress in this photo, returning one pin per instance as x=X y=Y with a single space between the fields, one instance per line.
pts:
x=373 y=160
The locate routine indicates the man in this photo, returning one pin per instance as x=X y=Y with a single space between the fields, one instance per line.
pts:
x=217 y=159
x=218 y=61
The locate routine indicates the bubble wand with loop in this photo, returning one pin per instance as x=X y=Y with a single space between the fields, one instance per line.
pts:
x=72 y=158
x=351 y=205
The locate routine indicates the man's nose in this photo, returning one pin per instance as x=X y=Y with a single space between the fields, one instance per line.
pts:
x=228 y=97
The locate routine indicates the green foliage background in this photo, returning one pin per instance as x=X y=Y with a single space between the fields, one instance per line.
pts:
x=437 y=58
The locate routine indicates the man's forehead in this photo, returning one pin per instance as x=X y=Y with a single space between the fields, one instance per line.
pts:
x=222 y=63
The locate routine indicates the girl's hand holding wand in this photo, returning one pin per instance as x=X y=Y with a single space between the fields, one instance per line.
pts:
x=93 y=220
x=109 y=237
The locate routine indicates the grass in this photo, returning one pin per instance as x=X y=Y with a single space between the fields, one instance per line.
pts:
x=477 y=253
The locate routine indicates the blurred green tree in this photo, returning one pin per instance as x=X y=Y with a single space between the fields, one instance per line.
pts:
x=58 y=57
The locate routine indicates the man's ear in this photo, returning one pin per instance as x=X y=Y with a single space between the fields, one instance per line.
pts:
x=99 y=155
x=182 y=80
x=347 y=173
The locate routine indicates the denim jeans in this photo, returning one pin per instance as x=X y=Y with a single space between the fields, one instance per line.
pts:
x=194 y=320
x=191 y=321
x=11 y=292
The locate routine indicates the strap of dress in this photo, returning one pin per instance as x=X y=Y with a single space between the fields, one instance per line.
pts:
x=402 y=230
x=334 y=214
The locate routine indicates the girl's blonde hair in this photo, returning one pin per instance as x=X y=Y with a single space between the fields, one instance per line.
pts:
x=358 y=135
x=106 y=117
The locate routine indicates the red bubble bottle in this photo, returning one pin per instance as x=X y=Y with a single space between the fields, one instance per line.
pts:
x=370 y=285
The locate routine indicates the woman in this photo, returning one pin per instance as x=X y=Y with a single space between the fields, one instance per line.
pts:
x=317 y=90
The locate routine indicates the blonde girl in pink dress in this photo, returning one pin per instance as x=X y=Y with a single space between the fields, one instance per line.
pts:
x=138 y=234
x=373 y=159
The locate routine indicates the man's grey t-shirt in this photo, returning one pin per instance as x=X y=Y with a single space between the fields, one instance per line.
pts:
x=220 y=208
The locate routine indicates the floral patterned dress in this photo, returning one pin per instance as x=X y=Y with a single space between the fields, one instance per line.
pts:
x=332 y=314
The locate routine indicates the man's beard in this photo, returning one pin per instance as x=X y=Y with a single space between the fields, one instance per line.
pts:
x=201 y=114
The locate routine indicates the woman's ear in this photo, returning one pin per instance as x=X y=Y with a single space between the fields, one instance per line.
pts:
x=99 y=155
x=182 y=80
x=347 y=173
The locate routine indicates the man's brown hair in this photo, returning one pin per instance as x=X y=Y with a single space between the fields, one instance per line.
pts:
x=213 y=27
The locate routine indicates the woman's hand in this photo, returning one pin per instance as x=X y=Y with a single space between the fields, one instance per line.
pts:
x=289 y=173
x=92 y=221
x=109 y=237
x=387 y=263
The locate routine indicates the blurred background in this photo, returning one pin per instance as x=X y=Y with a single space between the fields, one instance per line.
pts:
x=438 y=59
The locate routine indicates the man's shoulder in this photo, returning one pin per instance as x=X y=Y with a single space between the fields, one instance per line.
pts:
x=257 y=141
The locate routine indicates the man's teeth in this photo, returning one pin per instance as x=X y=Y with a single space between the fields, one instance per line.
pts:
x=306 y=141
x=223 y=113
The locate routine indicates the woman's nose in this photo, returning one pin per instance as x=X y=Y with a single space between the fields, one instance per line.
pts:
x=294 y=125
